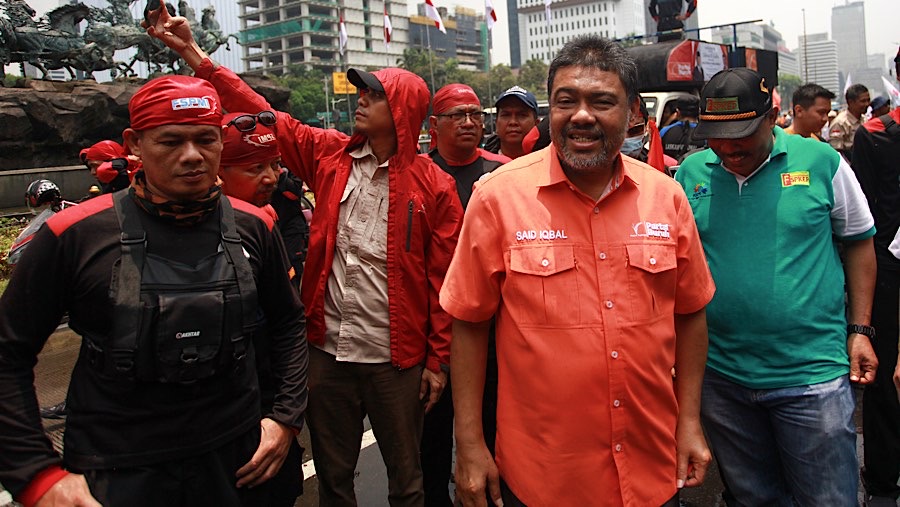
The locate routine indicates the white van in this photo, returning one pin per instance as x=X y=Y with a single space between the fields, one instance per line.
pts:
x=661 y=105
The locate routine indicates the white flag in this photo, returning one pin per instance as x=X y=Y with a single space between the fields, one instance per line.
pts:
x=388 y=28
x=547 y=11
x=343 y=29
x=490 y=15
x=892 y=92
x=847 y=84
x=432 y=13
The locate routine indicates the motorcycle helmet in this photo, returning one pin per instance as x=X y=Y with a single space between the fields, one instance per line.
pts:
x=41 y=193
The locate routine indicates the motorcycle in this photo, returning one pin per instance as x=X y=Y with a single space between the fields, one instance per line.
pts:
x=44 y=199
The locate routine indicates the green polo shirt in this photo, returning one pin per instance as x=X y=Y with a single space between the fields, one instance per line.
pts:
x=777 y=318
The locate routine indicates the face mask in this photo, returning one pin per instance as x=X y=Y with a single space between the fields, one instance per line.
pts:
x=632 y=144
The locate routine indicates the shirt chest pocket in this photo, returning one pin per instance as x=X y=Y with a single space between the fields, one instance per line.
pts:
x=542 y=287
x=652 y=280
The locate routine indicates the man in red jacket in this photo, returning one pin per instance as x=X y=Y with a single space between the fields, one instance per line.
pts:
x=382 y=237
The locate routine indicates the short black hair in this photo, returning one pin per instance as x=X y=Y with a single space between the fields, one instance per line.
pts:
x=805 y=96
x=855 y=91
x=598 y=52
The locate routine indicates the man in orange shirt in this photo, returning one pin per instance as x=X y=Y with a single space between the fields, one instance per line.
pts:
x=592 y=264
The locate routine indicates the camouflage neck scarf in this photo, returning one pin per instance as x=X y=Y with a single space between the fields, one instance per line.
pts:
x=181 y=213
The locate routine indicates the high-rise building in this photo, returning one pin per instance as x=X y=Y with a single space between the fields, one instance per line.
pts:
x=466 y=39
x=758 y=35
x=818 y=57
x=515 y=52
x=788 y=62
x=848 y=30
x=571 y=18
x=278 y=34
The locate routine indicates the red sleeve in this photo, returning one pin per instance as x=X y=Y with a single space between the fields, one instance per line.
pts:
x=42 y=482
x=300 y=144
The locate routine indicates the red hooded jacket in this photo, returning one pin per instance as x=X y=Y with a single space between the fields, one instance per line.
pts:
x=424 y=213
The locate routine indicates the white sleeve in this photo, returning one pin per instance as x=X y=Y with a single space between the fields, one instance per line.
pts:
x=894 y=247
x=850 y=215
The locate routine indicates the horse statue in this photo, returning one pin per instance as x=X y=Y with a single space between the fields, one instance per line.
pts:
x=58 y=46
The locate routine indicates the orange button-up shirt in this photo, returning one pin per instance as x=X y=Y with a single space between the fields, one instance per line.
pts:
x=585 y=295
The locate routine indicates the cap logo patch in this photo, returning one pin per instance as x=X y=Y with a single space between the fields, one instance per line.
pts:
x=263 y=141
x=762 y=86
x=190 y=103
x=723 y=105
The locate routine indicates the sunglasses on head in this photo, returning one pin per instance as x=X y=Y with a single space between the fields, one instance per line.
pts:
x=247 y=122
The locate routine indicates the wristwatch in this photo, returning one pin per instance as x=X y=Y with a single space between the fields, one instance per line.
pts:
x=868 y=331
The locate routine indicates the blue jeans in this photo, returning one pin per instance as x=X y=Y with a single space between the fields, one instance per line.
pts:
x=779 y=446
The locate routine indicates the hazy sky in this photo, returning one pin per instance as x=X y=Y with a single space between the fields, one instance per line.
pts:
x=882 y=35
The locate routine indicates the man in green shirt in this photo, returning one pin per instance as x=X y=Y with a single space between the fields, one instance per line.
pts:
x=777 y=404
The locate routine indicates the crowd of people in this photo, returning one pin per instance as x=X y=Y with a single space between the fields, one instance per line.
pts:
x=587 y=329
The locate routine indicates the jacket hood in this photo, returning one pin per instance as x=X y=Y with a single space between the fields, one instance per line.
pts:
x=408 y=99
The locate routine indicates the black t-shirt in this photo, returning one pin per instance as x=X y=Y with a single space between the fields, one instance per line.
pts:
x=465 y=175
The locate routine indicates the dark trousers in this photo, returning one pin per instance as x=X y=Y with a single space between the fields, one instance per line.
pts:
x=881 y=410
x=437 y=451
x=287 y=484
x=510 y=499
x=204 y=480
x=340 y=396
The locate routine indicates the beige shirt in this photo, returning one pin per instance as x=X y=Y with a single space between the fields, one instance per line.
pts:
x=356 y=300
x=843 y=128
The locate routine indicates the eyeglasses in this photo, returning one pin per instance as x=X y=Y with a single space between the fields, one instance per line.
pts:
x=247 y=122
x=636 y=130
x=461 y=116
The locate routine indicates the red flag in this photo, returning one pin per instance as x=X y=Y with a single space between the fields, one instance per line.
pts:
x=343 y=35
x=433 y=13
x=388 y=28
x=490 y=15
x=655 y=153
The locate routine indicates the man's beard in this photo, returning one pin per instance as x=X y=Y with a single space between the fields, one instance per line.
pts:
x=581 y=162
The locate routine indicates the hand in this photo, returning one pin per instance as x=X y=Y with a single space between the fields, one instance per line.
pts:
x=863 y=362
x=269 y=456
x=897 y=377
x=475 y=471
x=692 y=454
x=432 y=386
x=174 y=32
x=71 y=490
x=680 y=17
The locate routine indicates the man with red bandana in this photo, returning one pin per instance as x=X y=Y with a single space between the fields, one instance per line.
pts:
x=251 y=170
x=165 y=282
x=382 y=237
x=457 y=126
x=111 y=164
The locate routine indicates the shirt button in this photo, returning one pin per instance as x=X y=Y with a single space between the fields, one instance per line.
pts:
x=614 y=354
x=618 y=447
x=602 y=256
x=545 y=263
x=745 y=184
x=652 y=261
x=609 y=304
x=616 y=403
x=596 y=211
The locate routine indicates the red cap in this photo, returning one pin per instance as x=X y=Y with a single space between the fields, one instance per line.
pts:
x=175 y=100
x=104 y=150
x=453 y=95
x=239 y=148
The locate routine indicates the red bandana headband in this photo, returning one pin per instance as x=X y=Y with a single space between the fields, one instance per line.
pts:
x=175 y=100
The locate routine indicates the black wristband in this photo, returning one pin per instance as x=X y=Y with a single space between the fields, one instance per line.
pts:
x=868 y=331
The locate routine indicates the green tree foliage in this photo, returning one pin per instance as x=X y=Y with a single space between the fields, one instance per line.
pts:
x=533 y=77
x=787 y=85
x=307 y=91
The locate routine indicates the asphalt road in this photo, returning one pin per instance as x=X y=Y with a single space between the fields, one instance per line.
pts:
x=52 y=375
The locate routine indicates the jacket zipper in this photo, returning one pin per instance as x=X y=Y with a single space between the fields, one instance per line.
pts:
x=409 y=218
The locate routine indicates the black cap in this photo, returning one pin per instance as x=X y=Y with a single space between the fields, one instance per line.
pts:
x=689 y=105
x=363 y=79
x=733 y=104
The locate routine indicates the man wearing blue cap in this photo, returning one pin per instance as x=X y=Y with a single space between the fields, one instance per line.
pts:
x=777 y=403
x=517 y=114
